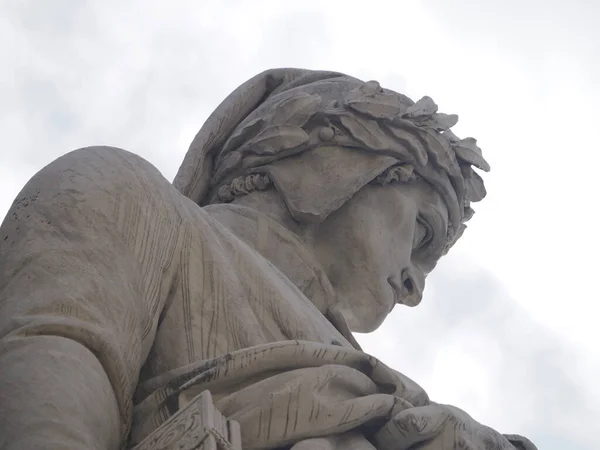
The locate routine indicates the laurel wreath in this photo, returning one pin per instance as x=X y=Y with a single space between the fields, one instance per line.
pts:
x=369 y=117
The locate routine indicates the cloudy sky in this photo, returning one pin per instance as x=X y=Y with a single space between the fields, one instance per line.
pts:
x=509 y=329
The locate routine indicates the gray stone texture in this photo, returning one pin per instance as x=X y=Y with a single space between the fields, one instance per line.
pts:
x=219 y=307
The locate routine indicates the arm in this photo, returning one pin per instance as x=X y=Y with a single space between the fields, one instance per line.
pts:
x=82 y=267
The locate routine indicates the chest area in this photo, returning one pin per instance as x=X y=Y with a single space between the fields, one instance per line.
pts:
x=233 y=298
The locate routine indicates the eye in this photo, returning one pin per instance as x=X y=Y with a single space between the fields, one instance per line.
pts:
x=423 y=234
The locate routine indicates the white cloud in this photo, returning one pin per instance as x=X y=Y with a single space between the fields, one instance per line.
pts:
x=470 y=344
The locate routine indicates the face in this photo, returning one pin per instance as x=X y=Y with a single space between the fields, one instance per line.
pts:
x=378 y=248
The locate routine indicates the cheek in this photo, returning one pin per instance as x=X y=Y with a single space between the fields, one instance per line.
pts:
x=339 y=247
x=351 y=240
x=371 y=236
x=361 y=246
x=387 y=226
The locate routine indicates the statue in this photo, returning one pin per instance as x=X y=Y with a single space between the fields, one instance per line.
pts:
x=309 y=204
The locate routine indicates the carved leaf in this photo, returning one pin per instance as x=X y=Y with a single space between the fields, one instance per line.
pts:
x=407 y=133
x=468 y=214
x=370 y=87
x=296 y=110
x=443 y=122
x=366 y=131
x=380 y=106
x=424 y=107
x=243 y=134
x=475 y=189
x=449 y=134
x=468 y=151
x=277 y=138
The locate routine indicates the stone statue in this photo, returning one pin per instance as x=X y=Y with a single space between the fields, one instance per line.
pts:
x=308 y=205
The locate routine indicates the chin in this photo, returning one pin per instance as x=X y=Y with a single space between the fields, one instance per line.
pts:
x=366 y=321
x=366 y=309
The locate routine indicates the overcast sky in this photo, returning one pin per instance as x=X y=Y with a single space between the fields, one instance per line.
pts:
x=508 y=329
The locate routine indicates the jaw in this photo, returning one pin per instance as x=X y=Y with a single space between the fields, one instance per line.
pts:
x=364 y=318
x=364 y=301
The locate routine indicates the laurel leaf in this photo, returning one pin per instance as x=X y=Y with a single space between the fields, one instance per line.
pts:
x=474 y=187
x=366 y=131
x=438 y=121
x=443 y=122
x=296 y=110
x=449 y=134
x=468 y=151
x=408 y=135
x=379 y=106
x=468 y=213
x=243 y=134
x=424 y=107
x=277 y=138
x=370 y=87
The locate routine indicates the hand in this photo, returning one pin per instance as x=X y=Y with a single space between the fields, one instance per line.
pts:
x=439 y=427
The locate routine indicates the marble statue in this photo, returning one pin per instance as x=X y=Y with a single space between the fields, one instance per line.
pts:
x=216 y=311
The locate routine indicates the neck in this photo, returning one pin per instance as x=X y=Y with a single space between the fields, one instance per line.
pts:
x=261 y=220
x=270 y=203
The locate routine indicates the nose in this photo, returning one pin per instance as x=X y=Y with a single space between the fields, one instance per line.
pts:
x=408 y=287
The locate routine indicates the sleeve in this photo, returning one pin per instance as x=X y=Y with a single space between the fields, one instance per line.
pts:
x=86 y=256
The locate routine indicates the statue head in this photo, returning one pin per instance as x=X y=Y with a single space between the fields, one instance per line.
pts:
x=378 y=184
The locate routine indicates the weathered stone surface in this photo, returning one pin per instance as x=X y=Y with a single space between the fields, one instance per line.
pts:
x=197 y=425
x=309 y=204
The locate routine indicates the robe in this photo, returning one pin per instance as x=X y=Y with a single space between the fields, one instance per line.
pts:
x=121 y=299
